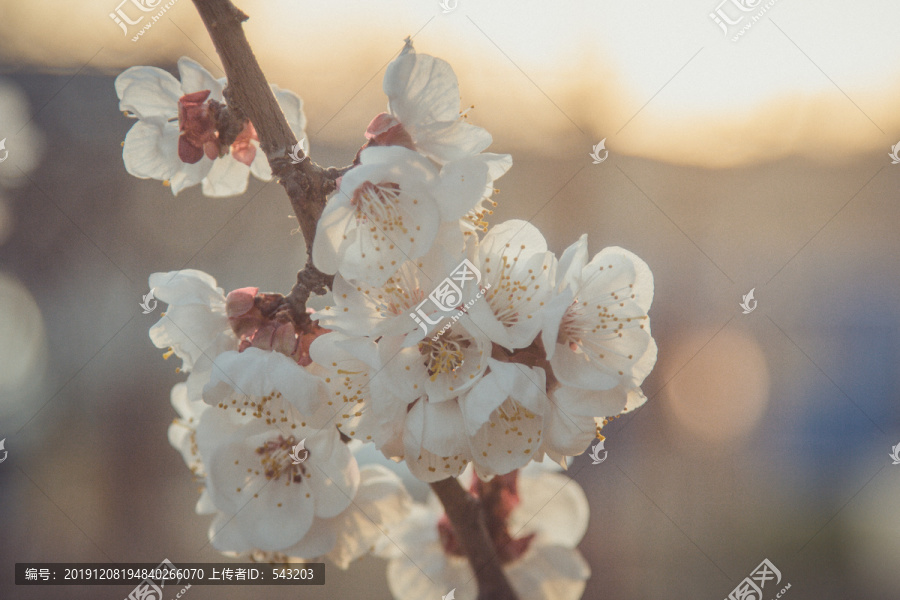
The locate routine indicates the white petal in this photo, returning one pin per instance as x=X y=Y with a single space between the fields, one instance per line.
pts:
x=148 y=92
x=256 y=372
x=514 y=232
x=191 y=330
x=187 y=286
x=380 y=504
x=260 y=166
x=421 y=90
x=195 y=78
x=225 y=536
x=552 y=505
x=446 y=142
x=566 y=434
x=151 y=150
x=462 y=185
x=333 y=475
x=508 y=441
x=551 y=319
x=335 y=220
x=227 y=177
x=482 y=400
x=292 y=106
x=549 y=573
x=268 y=514
x=423 y=464
x=590 y=403
x=629 y=268
x=444 y=432
x=572 y=262
x=318 y=541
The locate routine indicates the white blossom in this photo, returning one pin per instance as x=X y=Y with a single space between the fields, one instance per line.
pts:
x=541 y=562
x=423 y=110
x=596 y=331
x=194 y=327
x=151 y=147
x=518 y=271
x=389 y=208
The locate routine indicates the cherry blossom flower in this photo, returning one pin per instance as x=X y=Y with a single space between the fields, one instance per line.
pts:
x=503 y=415
x=596 y=331
x=423 y=110
x=175 y=138
x=389 y=209
x=194 y=327
x=264 y=500
x=384 y=310
x=518 y=271
x=540 y=520
x=183 y=430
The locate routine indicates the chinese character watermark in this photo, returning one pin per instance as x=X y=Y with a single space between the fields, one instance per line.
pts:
x=735 y=15
x=151 y=588
x=751 y=588
x=447 y=295
x=123 y=18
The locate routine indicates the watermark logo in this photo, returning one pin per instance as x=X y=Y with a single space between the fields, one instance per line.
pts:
x=298 y=450
x=895 y=454
x=448 y=6
x=148 y=588
x=123 y=18
x=735 y=15
x=296 y=149
x=595 y=452
x=751 y=588
x=6 y=152
x=3 y=441
x=148 y=298
x=600 y=147
x=451 y=595
x=448 y=295
x=748 y=298
x=895 y=149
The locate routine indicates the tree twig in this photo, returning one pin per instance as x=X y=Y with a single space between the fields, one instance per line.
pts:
x=307 y=184
x=467 y=517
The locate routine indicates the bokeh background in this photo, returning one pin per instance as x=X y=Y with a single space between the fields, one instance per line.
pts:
x=761 y=163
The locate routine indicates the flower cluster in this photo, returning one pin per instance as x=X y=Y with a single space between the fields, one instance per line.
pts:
x=241 y=415
x=458 y=348
x=467 y=344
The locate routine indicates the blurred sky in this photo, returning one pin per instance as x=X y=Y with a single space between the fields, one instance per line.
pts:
x=761 y=164
x=817 y=79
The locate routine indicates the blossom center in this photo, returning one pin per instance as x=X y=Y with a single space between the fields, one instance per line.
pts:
x=379 y=204
x=444 y=355
x=277 y=465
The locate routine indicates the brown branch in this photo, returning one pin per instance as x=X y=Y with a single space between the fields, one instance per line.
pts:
x=248 y=93
x=307 y=185
x=467 y=517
